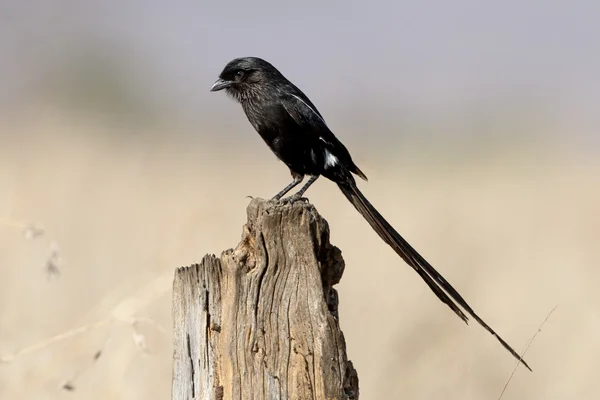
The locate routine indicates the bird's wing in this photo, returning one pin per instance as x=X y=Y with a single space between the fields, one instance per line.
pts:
x=306 y=115
x=310 y=122
x=303 y=111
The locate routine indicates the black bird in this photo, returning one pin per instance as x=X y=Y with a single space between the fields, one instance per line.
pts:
x=296 y=132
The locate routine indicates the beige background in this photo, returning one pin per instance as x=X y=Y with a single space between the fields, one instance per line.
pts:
x=514 y=228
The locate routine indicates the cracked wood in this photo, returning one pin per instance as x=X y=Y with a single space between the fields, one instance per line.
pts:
x=261 y=321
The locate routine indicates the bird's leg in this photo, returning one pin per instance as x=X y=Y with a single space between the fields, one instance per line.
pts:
x=299 y=193
x=297 y=179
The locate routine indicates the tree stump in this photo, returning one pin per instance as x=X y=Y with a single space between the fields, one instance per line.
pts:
x=261 y=321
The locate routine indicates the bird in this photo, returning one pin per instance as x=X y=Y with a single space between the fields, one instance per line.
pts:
x=297 y=133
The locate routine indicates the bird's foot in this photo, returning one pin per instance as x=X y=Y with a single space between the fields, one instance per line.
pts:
x=294 y=198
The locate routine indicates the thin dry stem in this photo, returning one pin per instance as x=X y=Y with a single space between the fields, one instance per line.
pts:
x=122 y=313
x=525 y=351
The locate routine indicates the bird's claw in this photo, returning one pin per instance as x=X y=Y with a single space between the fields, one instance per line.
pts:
x=294 y=198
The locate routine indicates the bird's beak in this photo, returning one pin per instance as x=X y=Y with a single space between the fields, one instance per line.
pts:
x=220 y=84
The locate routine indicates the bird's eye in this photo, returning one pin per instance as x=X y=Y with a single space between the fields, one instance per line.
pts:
x=239 y=75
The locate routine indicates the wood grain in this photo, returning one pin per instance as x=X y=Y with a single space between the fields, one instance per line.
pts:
x=260 y=321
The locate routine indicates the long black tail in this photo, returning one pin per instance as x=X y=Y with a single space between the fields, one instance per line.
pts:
x=440 y=286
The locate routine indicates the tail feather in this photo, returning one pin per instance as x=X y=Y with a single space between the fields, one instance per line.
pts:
x=436 y=282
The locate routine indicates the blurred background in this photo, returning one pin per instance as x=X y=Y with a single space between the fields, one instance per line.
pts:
x=478 y=125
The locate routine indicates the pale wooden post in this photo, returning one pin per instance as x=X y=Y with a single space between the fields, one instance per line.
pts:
x=261 y=322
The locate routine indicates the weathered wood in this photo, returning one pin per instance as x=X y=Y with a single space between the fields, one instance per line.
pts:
x=261 y=322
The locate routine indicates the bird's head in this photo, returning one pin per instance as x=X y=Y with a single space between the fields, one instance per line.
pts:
x=242 y=77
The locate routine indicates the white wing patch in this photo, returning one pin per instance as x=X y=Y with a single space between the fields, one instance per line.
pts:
x=330 y=159
x=310 y=108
